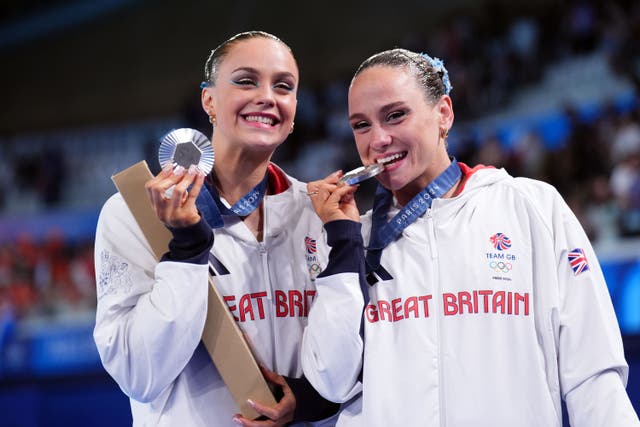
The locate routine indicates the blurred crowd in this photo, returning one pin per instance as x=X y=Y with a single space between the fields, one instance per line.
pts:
x=490 y=56
x=46 y=279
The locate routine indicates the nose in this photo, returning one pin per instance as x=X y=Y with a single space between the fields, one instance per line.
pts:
x=380 y=138
x=265 y=96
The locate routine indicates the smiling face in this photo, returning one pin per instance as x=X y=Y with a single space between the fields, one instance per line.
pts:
x=254 y=95
x=394 y=124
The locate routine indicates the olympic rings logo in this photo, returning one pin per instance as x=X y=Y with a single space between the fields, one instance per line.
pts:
x=314 y=268
x=500 y=266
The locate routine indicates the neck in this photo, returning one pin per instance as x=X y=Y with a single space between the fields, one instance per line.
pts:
x=237 y=171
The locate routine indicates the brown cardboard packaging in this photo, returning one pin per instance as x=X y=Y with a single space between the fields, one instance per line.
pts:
x=222 y=337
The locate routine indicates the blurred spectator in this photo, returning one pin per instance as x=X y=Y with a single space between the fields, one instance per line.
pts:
x=624 y=47
x=523 y=41
x=581 y=26
x=52 y=173
x=625 y=183
x=587 y=155
x=626 y=140
x=631 y=216
x=491 y=153
x=529 y=156
x=602 y=211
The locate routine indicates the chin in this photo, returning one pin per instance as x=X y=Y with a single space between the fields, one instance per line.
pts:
x=265 y=145
x=393 y=183
x=389 y=185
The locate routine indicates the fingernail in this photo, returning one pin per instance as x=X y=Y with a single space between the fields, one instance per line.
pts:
x=167 y=167
x=337 y=173
x=193 y=169
x=236 y=420
x=179 y=171
x=250 y=402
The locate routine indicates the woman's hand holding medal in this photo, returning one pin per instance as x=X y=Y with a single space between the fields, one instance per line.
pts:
x=332 y=199
x=173 y=193
x=186 y=157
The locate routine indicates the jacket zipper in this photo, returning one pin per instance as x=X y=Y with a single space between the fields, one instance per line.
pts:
x=262 y=249
x=437 y=297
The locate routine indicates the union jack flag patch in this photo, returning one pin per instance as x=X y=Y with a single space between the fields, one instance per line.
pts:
x=310 y=244
x=578 y=261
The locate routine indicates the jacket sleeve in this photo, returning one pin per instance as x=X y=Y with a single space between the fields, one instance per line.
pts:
x=150 y=315
x=592 y=369
x=331 y=345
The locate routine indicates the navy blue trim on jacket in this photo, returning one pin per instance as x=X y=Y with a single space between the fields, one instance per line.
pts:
x=347 y=248
x=310 y=406
x=190 y=244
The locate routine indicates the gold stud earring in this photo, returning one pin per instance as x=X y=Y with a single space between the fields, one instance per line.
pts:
x=444 y=133
x=291 y=130
x=212 y=119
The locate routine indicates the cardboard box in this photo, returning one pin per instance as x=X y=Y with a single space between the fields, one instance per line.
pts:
x=221 y=336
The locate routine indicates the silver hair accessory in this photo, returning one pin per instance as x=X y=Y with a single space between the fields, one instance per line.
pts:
x=438 y=66
x=362 y=173
x=185 y=147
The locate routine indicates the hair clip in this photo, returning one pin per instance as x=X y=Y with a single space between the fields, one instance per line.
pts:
x=438 y=66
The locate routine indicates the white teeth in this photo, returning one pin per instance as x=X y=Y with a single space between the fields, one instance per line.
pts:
x=391 y=158
x=260 y=119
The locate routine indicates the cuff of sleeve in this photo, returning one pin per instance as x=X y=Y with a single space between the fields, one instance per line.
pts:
x=310 y=406
x=347 y=248
x=190 y=244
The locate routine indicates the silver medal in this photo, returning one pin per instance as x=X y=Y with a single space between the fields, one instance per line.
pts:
x=358 y=175
x=185 y=147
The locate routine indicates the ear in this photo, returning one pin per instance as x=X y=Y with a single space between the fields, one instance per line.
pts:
x=206 y=98
x=445 y=109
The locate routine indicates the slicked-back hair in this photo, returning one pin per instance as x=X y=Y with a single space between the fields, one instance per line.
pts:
x=428 y=78
x=212 y=65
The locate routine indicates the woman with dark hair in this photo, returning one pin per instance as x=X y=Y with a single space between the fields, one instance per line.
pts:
x=477 y=300
x=247 y=223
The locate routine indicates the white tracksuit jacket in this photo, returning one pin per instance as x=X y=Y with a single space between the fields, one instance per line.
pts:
x=472 y=327
x=150 y=315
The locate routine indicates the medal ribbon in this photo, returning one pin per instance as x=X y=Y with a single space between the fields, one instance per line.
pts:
x=212 y=209
x=383 y=232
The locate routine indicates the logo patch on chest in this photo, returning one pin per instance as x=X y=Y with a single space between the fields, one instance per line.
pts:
x=500 y=263
x=310 y=254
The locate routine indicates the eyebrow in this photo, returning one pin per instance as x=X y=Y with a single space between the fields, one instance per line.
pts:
x=385 y=108
x=249 y=69
x=255 y=71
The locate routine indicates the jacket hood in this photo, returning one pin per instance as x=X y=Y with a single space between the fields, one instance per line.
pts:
x=480 y=176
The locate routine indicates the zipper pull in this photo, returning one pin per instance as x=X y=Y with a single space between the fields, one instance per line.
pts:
x=262 y=248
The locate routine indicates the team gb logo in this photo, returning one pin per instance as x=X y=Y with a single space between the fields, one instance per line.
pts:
x=500 y=241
